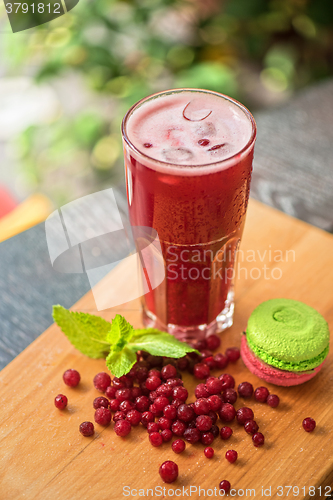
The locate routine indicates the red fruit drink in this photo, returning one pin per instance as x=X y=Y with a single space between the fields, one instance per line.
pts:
x=188 y=163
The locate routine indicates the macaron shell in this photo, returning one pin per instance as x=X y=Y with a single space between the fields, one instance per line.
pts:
x=288 y=334
x=270 y=374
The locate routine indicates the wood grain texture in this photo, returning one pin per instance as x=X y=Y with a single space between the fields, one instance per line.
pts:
x=44 y=457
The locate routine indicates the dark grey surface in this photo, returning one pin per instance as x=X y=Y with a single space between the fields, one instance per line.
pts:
x=293 y=171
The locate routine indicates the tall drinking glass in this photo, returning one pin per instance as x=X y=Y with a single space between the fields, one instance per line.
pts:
x=188 y=163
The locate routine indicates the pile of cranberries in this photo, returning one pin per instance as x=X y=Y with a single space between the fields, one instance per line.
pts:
x=153 y=394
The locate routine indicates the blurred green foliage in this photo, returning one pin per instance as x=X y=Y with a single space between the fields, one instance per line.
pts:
x=127 y=49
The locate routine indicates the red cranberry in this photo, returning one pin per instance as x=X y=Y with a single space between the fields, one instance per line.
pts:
x=251 y=426
x=180 y=392
x=174 y=382
x=225 y=432
x=210 y=362
x=204 y=423
x=203 y=142
x=153 y=427
x=114 y=404
x=161 y=402
x=192 y=435
x=164 y=423
x=244 y=414
x=152 y=396
x=134 y=417
x=122 y=428
x=213 y=416
x=229 y=396
x=201 y=406
x=102 y=381
x=154 y=360
x=215 y=430
x=215 y=402
x=245 y=389
x=214 y=385
x=182 y=363
x=154 y=373
x=201 y=391
x=103 y=416
x=119 y=415
x=213 y=342
x=166 y=435
x=164 y=390
x=221 y=361
x=261 y=394
x=123 y=394
x=209 y=452
x=126 y=380
x=136 y=393
x=142 y=403
x=110 y=392
x=71 y=378
x=185 y=413
x=273 y=400
x=201 y=371
x=147 y=417
x=233 y=354
x=126 y=406
x=177 y=402
x=170 y=412
x=309 y=424
x=258 y=439
x=207 y=438
x=141 y=373
x=101 y=401
x=178 y=428
x=178 y=446
x=168 y=471
x=144 y=390
x=224 y=485
x=200 y=345
x=117 y=383
x=87 y=429
x=231 y=456
x=152 y=383
x=228 y=381
x=168 y=371
x=155 y=438
x=227 y=412
x=155 y=411
x=60 y=401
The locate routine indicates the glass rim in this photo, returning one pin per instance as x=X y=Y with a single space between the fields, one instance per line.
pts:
x=239 y=153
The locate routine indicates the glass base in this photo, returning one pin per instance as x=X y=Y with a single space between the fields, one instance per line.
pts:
x=198 y=332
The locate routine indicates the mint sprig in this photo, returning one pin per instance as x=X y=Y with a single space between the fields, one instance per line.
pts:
x=117 y=342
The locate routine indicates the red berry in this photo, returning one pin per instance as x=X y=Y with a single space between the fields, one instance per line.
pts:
x=126 y=380
x=142 y=403
x=204 y=423
x=126 y=406
x=169 y=371
x=203 y=142
x=101 y=401
x=201 y=371
x=136 y=393
x=215 y=431
x=201 y=391
x=141 y=373
x=134 y=417
x=200 y=345
x=245 y=389
x=309 y=424
x=102 y=381
x=244 y=414
x=87 y=429
x=154 y=373
x=231 y=456
x=192 y=435
x=224 y=485
x=123 y=394
x=273 y=400
x=229 y=396
x=180 y=392
x=209 y=452
x=164 y=390
x=251 y=426
x=152 y=383
x=178 y=428
x=213 y=342
x=225 y=432
x=233 y=354
x=60 y=401
x=155 y=411
x=103 y=416
x=168 y=471
x=221 y=361
x=201 y=406
x=161 y=402
x=214 y=385
x=215 y=402
x=114 y=404
x=153 y=427
x=166 y=435
x=146 y=418
x=71 y=378
x=164 y=423
x=261 y=394
x=122 y=428
x=185 y=413
x=110 y=392
x=155 y=438
x=213 y=416
x=170 y=411
x=119 y=415
x=258 y=439
x=207 y=438
x=178 y=446
x=228 y=381
x=174 y=382
x=227 y=412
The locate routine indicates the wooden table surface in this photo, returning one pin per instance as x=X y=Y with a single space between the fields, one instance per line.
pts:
x=44 y=457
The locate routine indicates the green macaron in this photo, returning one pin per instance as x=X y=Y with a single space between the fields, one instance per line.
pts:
x=288 y=335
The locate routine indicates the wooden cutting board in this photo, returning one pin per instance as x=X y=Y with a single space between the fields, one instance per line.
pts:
x=43 y=456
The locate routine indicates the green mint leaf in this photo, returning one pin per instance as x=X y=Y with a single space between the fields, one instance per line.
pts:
x=120 y=333
x=161 y=344
x=119 y=363
x=86 y=332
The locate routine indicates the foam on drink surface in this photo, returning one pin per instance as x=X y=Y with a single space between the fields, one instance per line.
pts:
x=189 y=128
